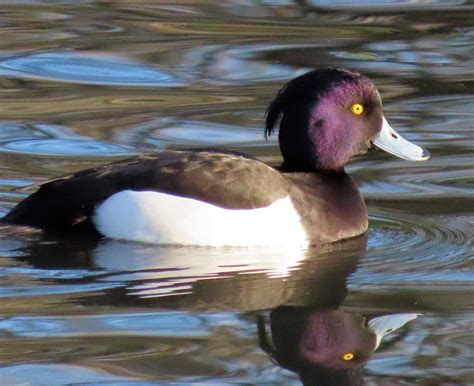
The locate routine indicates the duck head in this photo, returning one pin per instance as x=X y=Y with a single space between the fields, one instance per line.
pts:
x=330 y=115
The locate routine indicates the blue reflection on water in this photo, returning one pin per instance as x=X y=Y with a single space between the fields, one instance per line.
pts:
x=55 y=374
x=172 y=324
x=86 y=68
x=66 y=147
x=54 y=140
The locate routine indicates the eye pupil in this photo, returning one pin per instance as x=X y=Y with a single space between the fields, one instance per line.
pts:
x=357 y=108
x=348 y=356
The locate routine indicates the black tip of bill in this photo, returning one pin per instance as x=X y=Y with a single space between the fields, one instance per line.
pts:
x=426 y=155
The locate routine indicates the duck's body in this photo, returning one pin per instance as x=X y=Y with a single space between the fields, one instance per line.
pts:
x=329 y=206
x=207 y=197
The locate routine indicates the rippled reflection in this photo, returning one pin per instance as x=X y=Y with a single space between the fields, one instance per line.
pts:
x=82 y=68
x=331 y=347
x=53 y=140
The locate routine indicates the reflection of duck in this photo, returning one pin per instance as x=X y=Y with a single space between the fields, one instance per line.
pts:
x=325 y=347
x=223 y=198
x=194 y=277
x=309 y=334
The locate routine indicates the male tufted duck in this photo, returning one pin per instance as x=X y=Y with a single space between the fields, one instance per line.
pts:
x=219 y=198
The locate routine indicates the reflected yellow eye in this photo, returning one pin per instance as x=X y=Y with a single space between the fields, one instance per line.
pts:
x=357 y=108
x=348 y=357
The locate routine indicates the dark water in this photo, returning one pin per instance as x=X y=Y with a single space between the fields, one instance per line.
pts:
x=83 y=82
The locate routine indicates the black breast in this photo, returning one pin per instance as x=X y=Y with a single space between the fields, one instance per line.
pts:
x=330 y=205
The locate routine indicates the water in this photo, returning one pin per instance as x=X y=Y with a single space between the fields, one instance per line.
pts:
x=84 y=82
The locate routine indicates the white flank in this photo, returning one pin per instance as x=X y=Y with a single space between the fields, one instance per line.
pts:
x=161 y=218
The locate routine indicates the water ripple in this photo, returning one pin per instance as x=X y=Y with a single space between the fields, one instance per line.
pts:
x=62 y=147
x=242 y=64
x=162 y=132
x=406 y=249
x=57 y=374
x=436 y=343
x=176 y=324
x=86 y=68
x=445 y=176
x=53 y=140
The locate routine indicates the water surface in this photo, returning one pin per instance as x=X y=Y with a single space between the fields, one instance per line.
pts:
x=86 y=82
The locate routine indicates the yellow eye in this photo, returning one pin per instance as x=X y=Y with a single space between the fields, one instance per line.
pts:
x=348 y=357
x=357 y=108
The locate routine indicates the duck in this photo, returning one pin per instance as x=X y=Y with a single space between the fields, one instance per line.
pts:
x=218 y=198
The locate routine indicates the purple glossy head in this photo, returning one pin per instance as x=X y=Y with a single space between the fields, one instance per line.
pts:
x=319 y=129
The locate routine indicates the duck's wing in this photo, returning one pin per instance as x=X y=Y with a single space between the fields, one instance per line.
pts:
x=36 y=185
x=228 y=180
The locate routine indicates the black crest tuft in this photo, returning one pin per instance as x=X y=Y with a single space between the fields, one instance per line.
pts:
x=274 y=111
x=303 y=91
